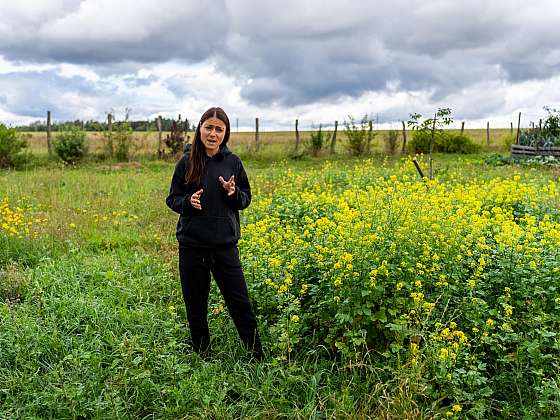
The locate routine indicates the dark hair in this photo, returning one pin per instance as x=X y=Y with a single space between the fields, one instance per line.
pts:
x=198 y=158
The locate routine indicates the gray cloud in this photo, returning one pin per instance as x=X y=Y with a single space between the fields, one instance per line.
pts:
x=289 y=53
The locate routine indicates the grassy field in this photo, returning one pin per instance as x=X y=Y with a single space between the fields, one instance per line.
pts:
x=378 y=295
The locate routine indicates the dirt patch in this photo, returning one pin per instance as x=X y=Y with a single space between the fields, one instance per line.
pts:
x=13 y=282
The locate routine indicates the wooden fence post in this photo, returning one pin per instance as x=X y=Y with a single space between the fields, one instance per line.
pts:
x=511 y=129
x=257 y=133
x=488 y=133
x=297 y=136
x=518 y=127
x=540 y=123
x=158 y=125
x=110 y=134
x=370 y=134
x=462 y=127
x=49 y=129
x=333 y=139
x=403 y=136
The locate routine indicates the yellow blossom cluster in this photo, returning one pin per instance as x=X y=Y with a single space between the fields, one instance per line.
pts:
x=15 y=221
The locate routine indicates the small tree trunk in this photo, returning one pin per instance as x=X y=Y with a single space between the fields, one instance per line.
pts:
x=432 y=147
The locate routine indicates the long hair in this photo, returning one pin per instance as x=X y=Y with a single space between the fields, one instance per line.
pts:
x=198 y=158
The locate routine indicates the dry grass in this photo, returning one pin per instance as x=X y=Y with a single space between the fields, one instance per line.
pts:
x=147 y=142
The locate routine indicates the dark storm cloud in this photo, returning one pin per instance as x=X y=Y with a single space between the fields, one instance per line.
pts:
x=300 y=52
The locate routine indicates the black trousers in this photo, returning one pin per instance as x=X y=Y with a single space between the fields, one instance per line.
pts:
x=195 y=265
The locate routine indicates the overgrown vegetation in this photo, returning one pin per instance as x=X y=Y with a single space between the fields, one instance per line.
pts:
x=378 y=295
x=70 y=144
x=429 y=135
x=12 y=148
x=175 y=140
x=358 y=136
x=547 y=136
x=318 y=140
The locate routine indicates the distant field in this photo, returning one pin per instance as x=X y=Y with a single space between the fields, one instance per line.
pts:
x=146 y=142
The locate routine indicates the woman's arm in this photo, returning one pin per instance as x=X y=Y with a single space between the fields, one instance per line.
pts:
x=178 y=199
x=242 y=197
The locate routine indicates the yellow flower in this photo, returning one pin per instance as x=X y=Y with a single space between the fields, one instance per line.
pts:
x=456 y=408
x=490 y=322
x=295 y=318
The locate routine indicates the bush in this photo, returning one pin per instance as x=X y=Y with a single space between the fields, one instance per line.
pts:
x=70 y=144
x=359 y=138
x=317 y=141
x=122 y=141
x=444 y=142
x=175 y=141
x=392 y=140
x=12 y=148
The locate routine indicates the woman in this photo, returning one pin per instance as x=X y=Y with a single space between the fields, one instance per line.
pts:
x=208 y=189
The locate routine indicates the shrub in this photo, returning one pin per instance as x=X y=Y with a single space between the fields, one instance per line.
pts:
x=458 y=143
x=444 y=142
x=12 y=148
x=391 y=140
x=359 y=137
x=70 y=144
x=175 y=140
x=122 y=141
x=317 y=141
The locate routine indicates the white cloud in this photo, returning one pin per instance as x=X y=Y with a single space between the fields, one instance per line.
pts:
x=316 y=60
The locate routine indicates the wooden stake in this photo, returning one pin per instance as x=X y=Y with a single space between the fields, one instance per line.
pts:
x=488 y=133
x=462 y=127
x=511 y=129
x=403 y=136
x=257 y=133
x=110 y=132
x=158 y=125
x=49 y=129
x=297 y=136
x=518 y=127
x=370 y=132
x=333 y=140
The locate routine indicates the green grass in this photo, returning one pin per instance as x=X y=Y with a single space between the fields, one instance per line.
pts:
x=93 y=323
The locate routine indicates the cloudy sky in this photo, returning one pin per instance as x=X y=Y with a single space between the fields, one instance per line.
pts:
x=313 y=60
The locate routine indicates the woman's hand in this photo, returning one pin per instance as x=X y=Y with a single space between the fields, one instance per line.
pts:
x=229 y=186
x=195 y=200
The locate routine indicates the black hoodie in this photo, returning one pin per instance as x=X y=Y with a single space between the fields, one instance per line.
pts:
x=217 y=224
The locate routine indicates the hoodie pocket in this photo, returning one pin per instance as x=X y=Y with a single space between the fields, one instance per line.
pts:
x=210 y=230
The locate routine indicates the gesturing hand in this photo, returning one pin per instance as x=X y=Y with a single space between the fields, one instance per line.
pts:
x=195 y=200
x=229 y=186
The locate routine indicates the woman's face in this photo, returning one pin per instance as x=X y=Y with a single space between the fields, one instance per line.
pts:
x=212 y=132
